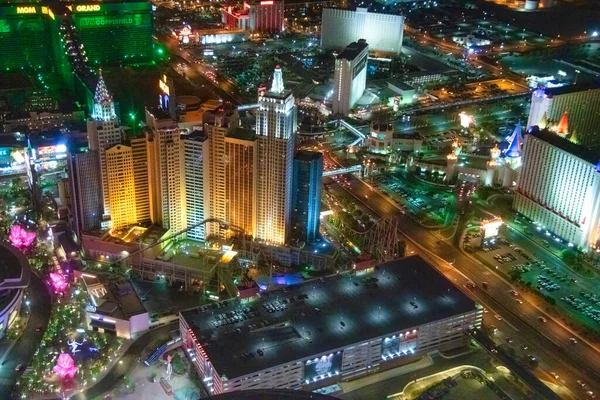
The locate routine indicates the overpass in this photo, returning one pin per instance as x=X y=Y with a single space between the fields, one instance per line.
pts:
x=360 y=137
x=354 y=168
x=244 y=107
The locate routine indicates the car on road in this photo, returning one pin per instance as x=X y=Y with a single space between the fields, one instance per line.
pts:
x=38 y=329
x=554 y=375
x=573 y=340
x=19 y=367
x=542 y=319
x=519 y=301
x=509 y=340
x=514 y=293
x=499 y=318
x=581 y=383
x=591 y=394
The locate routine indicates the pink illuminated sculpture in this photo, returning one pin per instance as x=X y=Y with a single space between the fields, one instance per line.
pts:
x=59 y=284
x=20 y=238
x=65 y=367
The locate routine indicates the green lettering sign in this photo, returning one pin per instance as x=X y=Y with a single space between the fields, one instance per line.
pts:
x=101 y=21
x=4 y=26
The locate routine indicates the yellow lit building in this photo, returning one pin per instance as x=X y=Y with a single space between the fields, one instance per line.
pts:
x=121 y=187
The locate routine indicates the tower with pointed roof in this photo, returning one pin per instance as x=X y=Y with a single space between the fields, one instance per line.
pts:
x=104 y=132
x=563 y=126
x=275 y=132
x=512 y=157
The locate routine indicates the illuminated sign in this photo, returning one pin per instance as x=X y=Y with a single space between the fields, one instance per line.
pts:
x=47 y=11
x=88 y=7
x=47 y=150
x=323 y=367
x=163 y=86
x=490 y=228
x=266 y=3
x=26 y=10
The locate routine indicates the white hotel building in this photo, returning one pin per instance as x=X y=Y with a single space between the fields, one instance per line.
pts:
x=383 y=32
x=350 y=76
x=559 y=188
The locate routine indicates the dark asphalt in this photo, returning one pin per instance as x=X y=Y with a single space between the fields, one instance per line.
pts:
x=27 y=344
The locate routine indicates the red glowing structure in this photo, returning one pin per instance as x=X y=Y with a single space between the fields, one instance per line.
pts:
x=20 y=238
x=65 y=367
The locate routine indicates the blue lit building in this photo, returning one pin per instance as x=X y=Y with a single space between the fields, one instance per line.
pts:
x=306 y=195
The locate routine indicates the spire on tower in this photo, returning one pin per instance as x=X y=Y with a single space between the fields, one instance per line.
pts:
x=563 y=125
x=514 y=148
x=102 y=95
x=104 y=105
x=543 y=124
x=573 y=138
x=277 y=85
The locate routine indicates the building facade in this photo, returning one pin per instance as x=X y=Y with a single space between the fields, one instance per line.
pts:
x=196 y=165
x=580 y=102
x=383 y=32
x=121 y=186
x=140 y=178
x=276 y=131
x=240 y=176
x=165 y=164
x=256 y=16
x=559 y=188
x=350 y=76
x=84 y=186
x=306 y=196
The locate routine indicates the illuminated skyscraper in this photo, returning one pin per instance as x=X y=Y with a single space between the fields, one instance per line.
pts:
x=218 y=125
x=165 y=164
x=84 y=184
x=197 y=194
x=306 y=197
x=140 y=178
x=240 y=177
x=121 y=186
x=275 y=131
x=350 y=76
x=103 y=133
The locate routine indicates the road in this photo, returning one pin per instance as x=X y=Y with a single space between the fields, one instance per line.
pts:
x=25 y=347
x=126 y=364
x=580 y=362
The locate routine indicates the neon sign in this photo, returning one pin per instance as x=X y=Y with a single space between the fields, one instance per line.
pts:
x=26 y=10
x=88 y=7
x=163 y=86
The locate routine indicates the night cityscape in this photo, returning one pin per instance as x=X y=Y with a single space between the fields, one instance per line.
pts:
x=286 y=199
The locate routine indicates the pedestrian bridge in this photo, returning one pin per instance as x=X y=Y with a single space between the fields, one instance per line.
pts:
x=354 y=168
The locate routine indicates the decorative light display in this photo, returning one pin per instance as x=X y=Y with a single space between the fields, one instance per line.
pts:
x=65 y=366
x=59 y=284
x=20 y=238
x=466 y=120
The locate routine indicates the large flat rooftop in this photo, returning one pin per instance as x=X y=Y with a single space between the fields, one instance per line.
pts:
x=324 y=314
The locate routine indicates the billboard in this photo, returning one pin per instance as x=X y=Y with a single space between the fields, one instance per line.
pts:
x=323 y=367
x=490 y=228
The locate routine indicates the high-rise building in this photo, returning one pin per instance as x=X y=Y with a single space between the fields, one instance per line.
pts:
x=276 y=132
x=256 y=16
x=306 y=195
x=26 y=37
x=140 y=178
x=559 y=188
x=350 y=76
x=218 y=124
x=240 y=179
x=114 y=33
x=84 y=187
x=121 y=186
x=550 y=107
x=165 y=165
x=383 y=32
x=104 y=132
x=196 y=165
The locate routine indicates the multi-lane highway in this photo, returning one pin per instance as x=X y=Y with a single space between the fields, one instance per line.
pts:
x=550 y=340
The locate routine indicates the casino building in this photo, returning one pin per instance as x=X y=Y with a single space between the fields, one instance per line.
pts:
x=336 y=328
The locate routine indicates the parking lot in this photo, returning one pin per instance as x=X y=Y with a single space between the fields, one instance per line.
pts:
x=559 y=284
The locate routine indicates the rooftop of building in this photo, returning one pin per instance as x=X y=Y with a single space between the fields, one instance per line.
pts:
x=243 y=134
x=353 y=50
x=195 y=135
x=580 y=87
x=135 y=234
x=565 y=144
x=400 y=84
x=119 y=299
x=324 y=314
x=306 y=155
